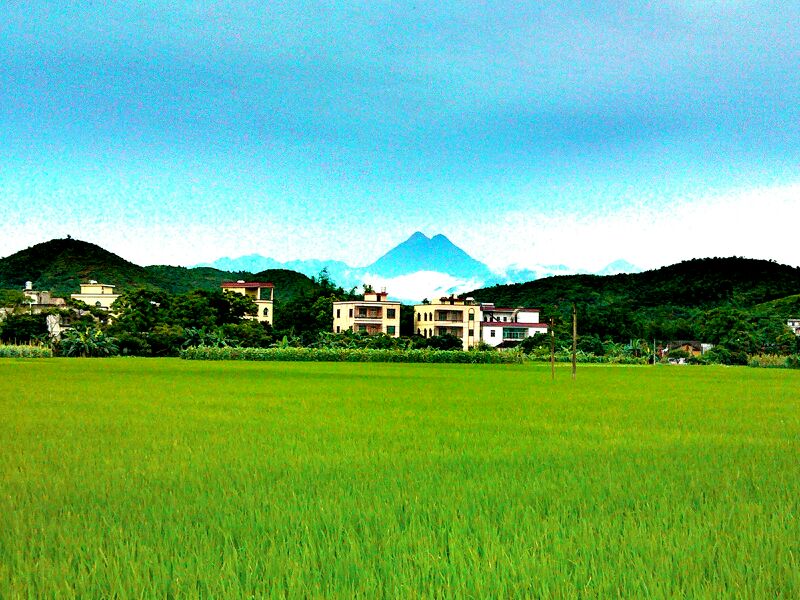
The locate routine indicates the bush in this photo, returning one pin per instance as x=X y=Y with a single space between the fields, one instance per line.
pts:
x=773 y=361
x=25 y=351
x=133 y=345
x=562 y=356
x=23 y=328
x=351 y=355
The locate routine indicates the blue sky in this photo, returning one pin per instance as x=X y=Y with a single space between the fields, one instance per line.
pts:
x=528 y=133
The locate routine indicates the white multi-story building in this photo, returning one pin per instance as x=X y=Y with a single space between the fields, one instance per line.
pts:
x=502 y=327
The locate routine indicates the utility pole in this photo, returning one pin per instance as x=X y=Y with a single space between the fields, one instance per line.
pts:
x=552 y=349
x=574 y=338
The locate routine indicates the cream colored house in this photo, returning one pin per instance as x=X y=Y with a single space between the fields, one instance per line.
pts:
x=374 y=314
x=472 y=322
x=449 y=315
x=96 y=294
x=259 y=292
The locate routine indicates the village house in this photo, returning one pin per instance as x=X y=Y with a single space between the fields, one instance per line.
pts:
x=472 y=322
x=506 y=327
x=794 y=325
x=374 y=314
x=41 y=300
x=95 y=294
x=452 y=316
x=262 y=293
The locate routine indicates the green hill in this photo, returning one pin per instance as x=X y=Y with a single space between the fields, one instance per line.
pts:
x=60 y=266
x=699 y=283
x=675 y=302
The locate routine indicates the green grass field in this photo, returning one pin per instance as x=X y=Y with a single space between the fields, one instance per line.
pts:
x=166 y=478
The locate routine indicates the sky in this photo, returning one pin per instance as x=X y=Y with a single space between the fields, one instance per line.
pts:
x=528 y=133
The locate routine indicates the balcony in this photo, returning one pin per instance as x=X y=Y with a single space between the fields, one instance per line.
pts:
x=456 y=331
x=368 y=313
x=446 y=316
x=369 y=329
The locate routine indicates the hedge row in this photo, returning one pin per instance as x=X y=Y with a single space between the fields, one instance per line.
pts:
x=587 y=358
x=25 y=351
x=425 y=355
x=772 y=361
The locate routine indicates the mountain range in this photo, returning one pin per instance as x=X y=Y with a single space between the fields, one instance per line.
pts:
x=665 y=295
x=420 y=267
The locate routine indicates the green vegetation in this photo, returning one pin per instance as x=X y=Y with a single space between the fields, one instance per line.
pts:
x=25 y=351
x=169 y=478
x=290 y=354
x=736 y=303
x=61 y=265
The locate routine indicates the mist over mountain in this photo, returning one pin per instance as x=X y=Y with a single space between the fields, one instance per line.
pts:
x=419 y=267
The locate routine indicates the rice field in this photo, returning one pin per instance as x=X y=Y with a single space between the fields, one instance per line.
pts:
x=161 y=478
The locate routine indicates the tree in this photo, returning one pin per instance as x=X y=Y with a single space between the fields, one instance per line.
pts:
x=87 y=342
x=139 y=311
x=23 y=328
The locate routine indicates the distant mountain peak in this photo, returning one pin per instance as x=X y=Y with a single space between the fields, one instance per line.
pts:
x=421 y=253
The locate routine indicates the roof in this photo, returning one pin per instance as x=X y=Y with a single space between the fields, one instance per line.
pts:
x=370 y=303
x=511 y=324
x=499 y=309
x=245 y=284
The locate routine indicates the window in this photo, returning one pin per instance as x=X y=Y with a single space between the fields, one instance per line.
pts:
x=425 y=317
x=419 y=316
x=337 y=329
x=471 y=316
x=362 y=328
x=492 y=332
x=390 y=329
x=419 y=331
x=338 y=313
x=514 y=333
x=351 y=313
x=390 y=313
x=266 y=312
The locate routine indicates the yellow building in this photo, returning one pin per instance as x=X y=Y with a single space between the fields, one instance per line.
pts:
x=449 y=315
x=374 y=314
x=259 y=292
x=96 y=294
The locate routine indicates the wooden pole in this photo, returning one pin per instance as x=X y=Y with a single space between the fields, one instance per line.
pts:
x=552 y=349
x=574 y=339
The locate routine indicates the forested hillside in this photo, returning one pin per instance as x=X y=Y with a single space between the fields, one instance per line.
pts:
x=61 y=265
x=710 y=299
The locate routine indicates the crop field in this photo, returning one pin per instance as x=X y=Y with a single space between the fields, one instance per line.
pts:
x=167 y=478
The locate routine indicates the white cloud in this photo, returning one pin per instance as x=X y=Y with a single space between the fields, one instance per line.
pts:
x=755 y=223
x=422 y=284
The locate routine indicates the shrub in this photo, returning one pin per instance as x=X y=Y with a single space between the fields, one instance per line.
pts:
x=425 y=355
x=562 y=356
x=773 y=361
x=25 y=351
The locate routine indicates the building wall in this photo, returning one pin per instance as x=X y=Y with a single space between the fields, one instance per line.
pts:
x=495 y=334
x=261 y=295
x=96 y=294
x=459 y=319
x=370 y=316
